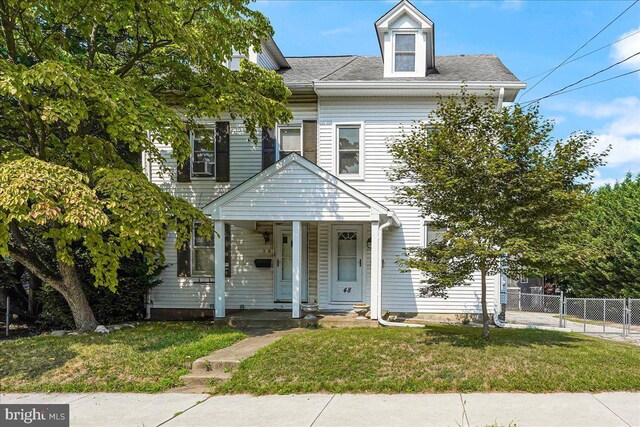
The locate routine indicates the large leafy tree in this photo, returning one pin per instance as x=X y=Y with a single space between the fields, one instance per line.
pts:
x=85 y=85
x=613 y=224
x=502 y=189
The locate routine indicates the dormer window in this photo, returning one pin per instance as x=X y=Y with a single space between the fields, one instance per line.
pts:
x=406 y=42
x=405 y=53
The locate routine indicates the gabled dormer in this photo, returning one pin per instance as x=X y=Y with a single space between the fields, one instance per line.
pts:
x=407 y=41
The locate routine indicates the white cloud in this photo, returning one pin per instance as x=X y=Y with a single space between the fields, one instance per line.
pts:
x=621 y=131
x=502 y=5
x=626 y=48
x=335 y=31
x=511 y=4
x=599 y=180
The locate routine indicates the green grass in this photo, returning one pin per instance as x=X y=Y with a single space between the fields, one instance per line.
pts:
x=437 y=359
x=148 y=358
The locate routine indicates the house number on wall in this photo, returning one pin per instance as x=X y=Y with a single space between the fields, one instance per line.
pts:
x=347 y=290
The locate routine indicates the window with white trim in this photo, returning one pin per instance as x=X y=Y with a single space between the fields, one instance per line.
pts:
x=405 y=53
x=203 y=157
x=349 y=150
x=289 y=140
x=202 y=255
x=432 y=234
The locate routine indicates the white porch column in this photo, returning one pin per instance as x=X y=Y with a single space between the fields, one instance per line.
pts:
x=375 y=268
x=296 y=270
x=219 y=267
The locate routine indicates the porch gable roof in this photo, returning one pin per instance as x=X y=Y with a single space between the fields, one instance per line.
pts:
x=295 y=189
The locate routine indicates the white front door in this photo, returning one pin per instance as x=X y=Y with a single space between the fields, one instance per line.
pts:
x=346 y=264
x=284 y=263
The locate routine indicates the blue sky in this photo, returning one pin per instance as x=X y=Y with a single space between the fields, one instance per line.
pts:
x=528 y=36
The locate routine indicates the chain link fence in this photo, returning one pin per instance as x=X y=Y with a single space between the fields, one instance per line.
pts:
x=586 y=315
x=533 y=309
x=633 y=316
x=595 y=315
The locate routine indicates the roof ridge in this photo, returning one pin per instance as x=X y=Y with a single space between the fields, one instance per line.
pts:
x=339 y=68
x=321 y=56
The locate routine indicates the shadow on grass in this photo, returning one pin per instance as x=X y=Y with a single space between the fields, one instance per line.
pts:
x=31 y=363
x=472 y=337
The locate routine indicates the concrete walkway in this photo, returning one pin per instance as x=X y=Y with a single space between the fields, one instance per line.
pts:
x=171 y=409
x=219 y=365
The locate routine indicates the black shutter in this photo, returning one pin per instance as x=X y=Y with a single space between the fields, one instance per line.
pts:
x=184 y=260
x=184 y=170
x=310 y=140
x=227 y=250
x=222 y=151
x=268 y=147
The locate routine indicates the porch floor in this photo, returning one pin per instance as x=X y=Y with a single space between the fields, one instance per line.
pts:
x=280 y=319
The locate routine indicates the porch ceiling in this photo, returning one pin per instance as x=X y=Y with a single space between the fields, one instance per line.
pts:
x=294 y=189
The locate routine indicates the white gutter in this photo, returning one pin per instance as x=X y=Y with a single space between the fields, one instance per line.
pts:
x=414 y=84
x=393 y=220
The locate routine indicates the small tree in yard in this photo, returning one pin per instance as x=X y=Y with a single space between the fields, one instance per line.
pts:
x=83 y=83
x=502 y=190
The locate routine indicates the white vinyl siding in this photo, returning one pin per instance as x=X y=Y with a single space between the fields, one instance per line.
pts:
x=248 y=285
x=385 y=118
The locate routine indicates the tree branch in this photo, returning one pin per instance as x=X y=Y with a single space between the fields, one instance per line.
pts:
x=31 y=263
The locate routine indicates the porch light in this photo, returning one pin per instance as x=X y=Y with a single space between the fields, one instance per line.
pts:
x=369 y=243
x=267 y=237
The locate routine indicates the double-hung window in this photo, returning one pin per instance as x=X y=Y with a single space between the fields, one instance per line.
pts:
x=202 y=255
x=289 y=140
x=405 y=53
x=349 y=146
x=203 y=160
x=432 y=234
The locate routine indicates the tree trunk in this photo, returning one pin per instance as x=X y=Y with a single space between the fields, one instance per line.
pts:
x=71 y=290
x=485 y=313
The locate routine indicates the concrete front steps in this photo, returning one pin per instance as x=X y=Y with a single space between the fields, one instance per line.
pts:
x=219 y=366
x=281 y=319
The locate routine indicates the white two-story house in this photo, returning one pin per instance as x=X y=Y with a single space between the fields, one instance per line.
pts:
x=306 y=214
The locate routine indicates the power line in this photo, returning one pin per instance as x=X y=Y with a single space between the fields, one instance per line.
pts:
x=581 y=87
x=587 y=54
x=580 y=48
x=589 y=76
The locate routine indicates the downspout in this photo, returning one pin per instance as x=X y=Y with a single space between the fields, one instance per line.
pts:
x=392 y=220
x=500 y=99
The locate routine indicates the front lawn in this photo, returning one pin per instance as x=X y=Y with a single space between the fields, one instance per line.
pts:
x=148 y=358
x=437 y=359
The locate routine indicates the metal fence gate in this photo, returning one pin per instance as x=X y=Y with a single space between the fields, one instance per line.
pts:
x=633 y=316
x=587 y=315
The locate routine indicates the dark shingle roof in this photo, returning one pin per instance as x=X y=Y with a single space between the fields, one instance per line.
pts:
x=368 y=68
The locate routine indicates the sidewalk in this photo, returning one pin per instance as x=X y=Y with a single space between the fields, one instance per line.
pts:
x=500 y=409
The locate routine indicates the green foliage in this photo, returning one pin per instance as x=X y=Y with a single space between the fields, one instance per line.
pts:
x=501 y=186
x=124 y=305
x=613 y=223
x=85 y=88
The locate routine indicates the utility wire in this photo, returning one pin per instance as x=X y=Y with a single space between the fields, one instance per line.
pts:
x=580 y=48
x=587 y=54
x=582 y=87
x=585 y=78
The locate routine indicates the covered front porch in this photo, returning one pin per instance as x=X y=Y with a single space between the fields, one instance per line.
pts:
x=324 y=241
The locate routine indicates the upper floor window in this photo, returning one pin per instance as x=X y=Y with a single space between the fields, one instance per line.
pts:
x=405 y=53
x=349 y=149
x=202 y=255
x=289 y=140
x=203 y=159
x=432 y=234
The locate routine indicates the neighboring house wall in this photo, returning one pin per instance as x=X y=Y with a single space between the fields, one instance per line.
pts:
x=248 y=285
